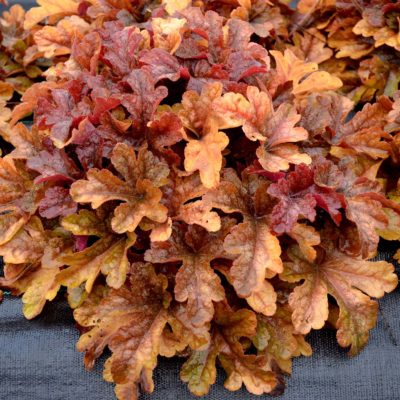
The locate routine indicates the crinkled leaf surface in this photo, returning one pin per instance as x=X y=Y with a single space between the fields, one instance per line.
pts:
x=351 y=281
x=132 y=317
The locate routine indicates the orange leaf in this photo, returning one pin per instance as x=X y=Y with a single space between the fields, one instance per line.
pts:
x=139 y=191
x=350 y=281
x=196 y=282
x=133 y=317
x=49 y=8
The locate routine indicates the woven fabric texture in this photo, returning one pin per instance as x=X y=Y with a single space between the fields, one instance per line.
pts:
x=38 y=361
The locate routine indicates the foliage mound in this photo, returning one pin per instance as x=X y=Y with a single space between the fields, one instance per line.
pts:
x=206 y=179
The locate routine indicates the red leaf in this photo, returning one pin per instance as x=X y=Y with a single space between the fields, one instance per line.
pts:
x=57 y=202
x=53 y=165
x=120 y=48
x=295 y=201
x=160 y=64
x=61 y=115
x=145 y=98
x=102 y=105
x=299 y=195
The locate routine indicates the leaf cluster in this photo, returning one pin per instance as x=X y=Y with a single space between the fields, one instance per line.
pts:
x=204 y=179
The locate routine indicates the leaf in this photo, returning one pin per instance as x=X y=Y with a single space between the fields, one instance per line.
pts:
x=107 y=255
x=263 y=296
x=277 y=340
x=165 y=130
x=92 y=144
x=121 y=50
x=32 y=267
x=128 y=317
x=292 y=206
x=392 y=231
x=350 y=281
x=12 y=26
x=307 y=237
x=139 y=201
x=143 y=103
x=179 y=198
x=6 y=91
x=30 y=100
x=312 y=46
x=171 y=344
x=204 y=115
x=196 y=282
x=196 y=111
x=41 y=286
x=273 y=129
x=27 y=245
x=5 y=115
x=205 y=156
x=326 y=111
x=86 y=51
x=19 y=197
x=382 y=35
x=53 y=165
x=61 y=114
x=161 y=232
x=291 y=68
x=58 y=40
x=309 y=6
x=364 y=133
x=247 y=149
x=138 y=191
x=319 y=79
x=49 y=8
x=369 y=217
x=14 y=183
x=172 y=6
x=304 y=75
x=200 y=371
x=161 y=64
x=264 y=18
x=57 y=202
x=167 y=33
x=185 y=331
x=10 y=224
x=255 y=250
x=299 y=194
x=27 y=142
x=231 y=110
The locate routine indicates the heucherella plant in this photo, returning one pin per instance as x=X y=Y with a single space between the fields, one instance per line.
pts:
x=202 y=179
